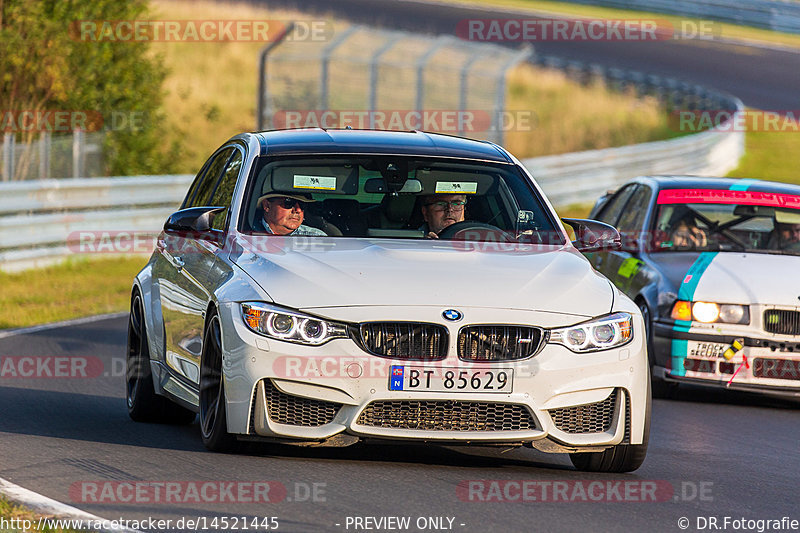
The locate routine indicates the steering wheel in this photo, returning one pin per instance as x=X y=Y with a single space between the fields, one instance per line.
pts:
x=480 y=231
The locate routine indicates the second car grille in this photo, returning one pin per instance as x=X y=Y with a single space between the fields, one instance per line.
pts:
x=588 y=418
x=297 y=411
x=497 y=342
x=404 y=340
x=782 y=322
x=447 y=415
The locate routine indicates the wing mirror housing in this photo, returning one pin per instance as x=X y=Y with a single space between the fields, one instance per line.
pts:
x=594 y=236
x=192 y=220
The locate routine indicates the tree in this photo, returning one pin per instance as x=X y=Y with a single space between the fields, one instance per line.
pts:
x=47 y=65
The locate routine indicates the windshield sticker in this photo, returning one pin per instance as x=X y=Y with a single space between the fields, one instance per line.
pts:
x=456 y=187
x=326 y=183
x=724 y=196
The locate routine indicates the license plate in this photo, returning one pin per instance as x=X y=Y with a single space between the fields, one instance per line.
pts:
x=413 y=378
x=706 y=350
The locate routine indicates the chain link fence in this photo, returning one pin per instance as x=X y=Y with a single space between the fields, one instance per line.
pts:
x=371 y=78
x=75 y=155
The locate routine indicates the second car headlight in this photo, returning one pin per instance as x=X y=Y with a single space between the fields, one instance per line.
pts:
x=598 y=334
x=710 y=312
x=290 y=326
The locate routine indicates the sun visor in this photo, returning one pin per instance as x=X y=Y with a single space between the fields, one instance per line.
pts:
x=323 y=178
x=436 y=181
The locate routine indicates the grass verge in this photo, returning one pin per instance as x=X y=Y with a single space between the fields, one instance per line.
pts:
x=11 y=511
x=77 y=288
x=719 y=29
x=770 y=155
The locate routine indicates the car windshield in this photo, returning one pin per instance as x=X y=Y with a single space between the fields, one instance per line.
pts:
x=722 y=220
x=395 y=197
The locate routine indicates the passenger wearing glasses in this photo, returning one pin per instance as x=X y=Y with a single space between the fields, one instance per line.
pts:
x=284 y=214
x=440 y=211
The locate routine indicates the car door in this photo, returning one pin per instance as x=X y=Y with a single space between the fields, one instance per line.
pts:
x=624 y=267
x=181 y=270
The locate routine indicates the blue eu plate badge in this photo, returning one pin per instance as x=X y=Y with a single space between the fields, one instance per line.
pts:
x=396 y=378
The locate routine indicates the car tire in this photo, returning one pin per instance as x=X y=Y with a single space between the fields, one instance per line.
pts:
x=144 y=405
x=619 y=458
x=213 y=416
x=661 y=388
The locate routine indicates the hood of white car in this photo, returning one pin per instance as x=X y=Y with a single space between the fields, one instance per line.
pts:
x=334 y=272
x=751 y=278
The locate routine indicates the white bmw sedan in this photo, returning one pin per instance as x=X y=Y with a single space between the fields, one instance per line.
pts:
x=325 y=287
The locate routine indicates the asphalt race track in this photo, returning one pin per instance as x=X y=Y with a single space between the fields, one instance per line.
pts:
x=763 y=78
x=712 y=454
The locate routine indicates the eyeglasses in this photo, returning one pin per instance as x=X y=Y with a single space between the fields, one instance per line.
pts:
x=289 y=203
x=455 y=205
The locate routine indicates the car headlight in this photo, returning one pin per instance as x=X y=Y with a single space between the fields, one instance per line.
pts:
x=598 y=334
x=290 y=326
x=710 y=312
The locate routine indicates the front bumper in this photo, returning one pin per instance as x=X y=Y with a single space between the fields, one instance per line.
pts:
x=285 y=391
x=695 y=355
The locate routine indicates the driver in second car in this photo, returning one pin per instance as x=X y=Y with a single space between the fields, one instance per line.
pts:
x=440 y=211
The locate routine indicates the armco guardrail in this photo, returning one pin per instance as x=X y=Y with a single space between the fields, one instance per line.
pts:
x=779 y=15
x=41 y=221
x=582 y=177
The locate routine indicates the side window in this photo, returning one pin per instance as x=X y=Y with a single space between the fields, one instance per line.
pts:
x=195 y=184
x=611 y=211
x=223 y=195
x=633 y=216
x=202 y=196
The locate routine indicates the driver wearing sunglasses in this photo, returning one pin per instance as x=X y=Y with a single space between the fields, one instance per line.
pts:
x=441 y=211
x=284 y=214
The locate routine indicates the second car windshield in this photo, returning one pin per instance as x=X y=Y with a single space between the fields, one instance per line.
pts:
x=394 y=197
x=766 y=226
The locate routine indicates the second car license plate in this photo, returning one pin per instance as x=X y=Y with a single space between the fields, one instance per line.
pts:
x=706 y=350
x=428 y=379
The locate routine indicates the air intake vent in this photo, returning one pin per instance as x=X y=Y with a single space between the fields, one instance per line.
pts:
x=447 y=415
x=297 y=411
x=588 y=418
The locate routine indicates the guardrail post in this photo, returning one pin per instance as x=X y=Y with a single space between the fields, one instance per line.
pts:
x=419 y=101
x=8 y=157
x=262 y=75
x=77 y=153
x=325 y=59
x=463 y=90
x=373 y=75
x=44 y=155
x=500 y=95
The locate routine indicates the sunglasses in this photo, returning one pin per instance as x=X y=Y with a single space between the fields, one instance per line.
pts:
x=288 y=203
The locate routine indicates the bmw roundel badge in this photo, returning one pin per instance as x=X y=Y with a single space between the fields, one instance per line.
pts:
x=452 y=314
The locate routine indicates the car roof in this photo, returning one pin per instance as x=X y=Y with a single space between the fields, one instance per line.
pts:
x=377 y=142
x=702 y=182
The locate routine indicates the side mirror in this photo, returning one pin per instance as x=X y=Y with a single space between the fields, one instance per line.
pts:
x=192 y=220
x=594 y=236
